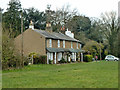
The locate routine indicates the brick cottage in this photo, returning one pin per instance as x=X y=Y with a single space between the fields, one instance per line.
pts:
x=52 y=44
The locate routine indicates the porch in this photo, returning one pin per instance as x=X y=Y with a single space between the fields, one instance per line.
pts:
x=70 y=55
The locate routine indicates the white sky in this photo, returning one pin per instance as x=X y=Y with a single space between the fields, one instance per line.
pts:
x=90 y=8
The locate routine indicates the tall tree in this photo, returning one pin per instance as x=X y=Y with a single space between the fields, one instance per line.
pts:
x=36 y=16
x=11 y=18
x=110 y=28
x=95 y=33
x=61 y=17
x=93 y=47
x=118 y=51
x=79 y=23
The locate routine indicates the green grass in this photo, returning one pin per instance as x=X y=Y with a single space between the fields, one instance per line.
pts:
x=76 y=75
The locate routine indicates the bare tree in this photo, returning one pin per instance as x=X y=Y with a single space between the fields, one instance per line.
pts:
x=62 y=16
x=110 y=28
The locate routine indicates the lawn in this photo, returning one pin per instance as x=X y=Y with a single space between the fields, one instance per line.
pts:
x=101 y=74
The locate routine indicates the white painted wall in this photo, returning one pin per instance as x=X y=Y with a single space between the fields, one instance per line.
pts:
x=75 y=56
x=81 y=57
x=55 y=58
x=69 y=58
x=72 y=56
x=48 y=57
x=59 y=56
x=51 y=56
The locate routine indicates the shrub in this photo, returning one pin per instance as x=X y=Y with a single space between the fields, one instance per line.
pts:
x=8 y=58
x=43 y=59
x=40 y=59
x=50 y=61
x=88 y=58
x=68 y=61
x=33 y=54
x=26 y=61
x=14 y=62
x=4 y=65
x=36 y=60
x=62 y=60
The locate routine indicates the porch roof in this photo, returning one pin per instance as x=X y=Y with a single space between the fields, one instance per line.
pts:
x=63 y=50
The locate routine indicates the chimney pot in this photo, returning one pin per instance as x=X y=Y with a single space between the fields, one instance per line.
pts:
x=31 y=25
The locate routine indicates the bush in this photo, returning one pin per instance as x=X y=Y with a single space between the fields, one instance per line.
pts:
x=68 y=61
x=43 y=59
x=50 y=61
x=26 y=61
x=4 y=65
x=36 y=60
x=88 y=58
x=62 y=60
x=14 y=62
x=11 y=58
x=8 y=58
x=33 y=54
x=40 y=59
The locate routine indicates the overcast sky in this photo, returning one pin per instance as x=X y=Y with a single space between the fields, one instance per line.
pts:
x=90 y=8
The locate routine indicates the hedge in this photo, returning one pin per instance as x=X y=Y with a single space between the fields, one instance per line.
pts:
x=88 y=58
x=41 y=59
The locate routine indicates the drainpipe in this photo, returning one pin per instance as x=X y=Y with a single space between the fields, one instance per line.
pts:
x=46 y=50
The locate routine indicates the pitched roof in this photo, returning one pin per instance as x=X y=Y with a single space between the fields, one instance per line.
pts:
x=55 y=35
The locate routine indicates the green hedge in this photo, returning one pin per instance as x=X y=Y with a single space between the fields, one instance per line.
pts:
x=88 y=58
x=40 y=59
x=14 y=62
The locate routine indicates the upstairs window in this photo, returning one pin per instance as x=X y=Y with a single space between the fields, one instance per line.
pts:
x=71 y=45
x=77 y=45
x=64 y=44
x=50 y=42
x=80 y=46
x=58 y=43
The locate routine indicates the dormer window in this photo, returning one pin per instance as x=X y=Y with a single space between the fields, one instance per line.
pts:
x=58 y=43
x=71 y=45
x=50 y=42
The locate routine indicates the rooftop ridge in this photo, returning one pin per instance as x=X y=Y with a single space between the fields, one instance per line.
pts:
x=55 y=35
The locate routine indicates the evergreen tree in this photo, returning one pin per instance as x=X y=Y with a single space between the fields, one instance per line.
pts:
x=36 y=16
x=11 y=18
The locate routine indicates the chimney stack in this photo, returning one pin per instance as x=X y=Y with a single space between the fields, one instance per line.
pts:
x=48 y=19
x=63 y=29
x=31 y=25
x=69 y=33
x=48 y=27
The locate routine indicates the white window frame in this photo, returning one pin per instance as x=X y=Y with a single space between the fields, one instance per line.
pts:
x=77 y=45
x=50 y=42
x=80 y=46
x=71 y=44
x=58 y=43
x=63 y=43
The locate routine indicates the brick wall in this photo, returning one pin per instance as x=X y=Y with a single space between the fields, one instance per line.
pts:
x=32 y=42
x=67 y=44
